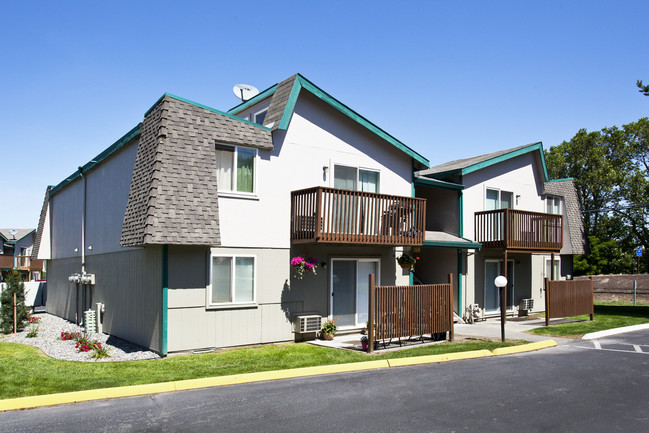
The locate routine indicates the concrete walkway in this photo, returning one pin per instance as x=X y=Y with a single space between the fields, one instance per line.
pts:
x=514 y=329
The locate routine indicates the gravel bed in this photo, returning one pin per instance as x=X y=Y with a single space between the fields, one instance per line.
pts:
x=48 y=340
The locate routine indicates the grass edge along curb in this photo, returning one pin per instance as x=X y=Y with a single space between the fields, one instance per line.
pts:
x=153 y=388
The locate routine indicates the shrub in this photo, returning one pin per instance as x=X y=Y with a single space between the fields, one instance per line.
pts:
x=33 y=332
x=14 y=285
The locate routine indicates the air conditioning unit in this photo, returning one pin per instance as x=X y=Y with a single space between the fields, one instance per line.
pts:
x=304 y=324
x=525 y=307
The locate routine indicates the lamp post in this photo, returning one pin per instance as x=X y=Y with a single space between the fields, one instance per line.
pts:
x=501 y=282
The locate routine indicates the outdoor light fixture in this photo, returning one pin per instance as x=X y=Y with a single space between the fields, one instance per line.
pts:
x=501 y=282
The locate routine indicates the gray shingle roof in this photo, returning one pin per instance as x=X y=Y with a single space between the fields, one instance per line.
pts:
x=577 y=243
x=278 y=102
x=20 y=233
x=173 y=194
x=459 y=164
x=41 y=224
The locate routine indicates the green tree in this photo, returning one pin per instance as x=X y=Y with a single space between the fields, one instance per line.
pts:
x=643 y=89
x=611 y=172
x=14 y=285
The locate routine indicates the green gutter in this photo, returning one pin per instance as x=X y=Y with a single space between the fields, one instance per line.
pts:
x=165 y=300
x=130 y=135
x=561 y=180
x=459 y=283
x=446 y=244
x=435 y=183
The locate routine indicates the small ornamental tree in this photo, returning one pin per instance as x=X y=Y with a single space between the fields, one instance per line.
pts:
x=14 y=285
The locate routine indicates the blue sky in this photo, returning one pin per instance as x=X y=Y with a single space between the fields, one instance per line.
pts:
x=451 y=79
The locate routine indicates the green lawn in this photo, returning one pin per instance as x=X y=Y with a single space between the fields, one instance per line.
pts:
x=608 y=315
x=25 y=370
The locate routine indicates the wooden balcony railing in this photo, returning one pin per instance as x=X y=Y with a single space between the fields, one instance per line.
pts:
x=514 y=229
x=329 y=215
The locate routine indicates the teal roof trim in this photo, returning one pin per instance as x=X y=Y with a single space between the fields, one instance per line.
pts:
x=252 y=101
x=213 y=110
x=561 y=180
x=513 y=154
x=130 y=135
x=462 y=245
x=290 y=104
x=426 y=181
x=303 y=83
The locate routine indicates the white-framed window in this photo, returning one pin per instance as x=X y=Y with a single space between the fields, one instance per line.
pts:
x=356 y=179
x=260 y=116
x=498 y=199
x=232 y=280
x=235 y=168
x=553 y=204
x=557 y=268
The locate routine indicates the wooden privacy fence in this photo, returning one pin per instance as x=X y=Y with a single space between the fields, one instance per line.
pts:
x=568 y=298
x=404 y=311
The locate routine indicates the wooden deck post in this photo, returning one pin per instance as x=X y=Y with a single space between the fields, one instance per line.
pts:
x=370 y=322
x=504 y=306
x=451 y=332
x=592 y=305
x=552 y=276
x=546 y=284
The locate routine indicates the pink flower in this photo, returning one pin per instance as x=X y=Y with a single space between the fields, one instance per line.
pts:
x=296 y=261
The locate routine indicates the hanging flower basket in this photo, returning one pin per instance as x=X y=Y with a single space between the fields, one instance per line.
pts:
x=302 y=265
x=407 y=262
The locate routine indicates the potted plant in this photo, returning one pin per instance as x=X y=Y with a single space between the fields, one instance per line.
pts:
x=365 y=342
x=406 y=261
x=328 y=330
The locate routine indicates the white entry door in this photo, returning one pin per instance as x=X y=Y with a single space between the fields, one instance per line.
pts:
x=350 y=290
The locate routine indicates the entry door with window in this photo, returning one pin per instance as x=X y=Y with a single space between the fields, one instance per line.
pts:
x=350 y=290
x=350 y=216
x=497 y=199
x=494 y=268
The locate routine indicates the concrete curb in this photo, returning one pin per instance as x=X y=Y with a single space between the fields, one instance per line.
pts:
x=181 y=385
x=615 y=331
x=524 y=347
x=431 y=359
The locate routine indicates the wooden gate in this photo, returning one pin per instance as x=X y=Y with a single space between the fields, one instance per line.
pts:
x=568 y=298
x=404 y=311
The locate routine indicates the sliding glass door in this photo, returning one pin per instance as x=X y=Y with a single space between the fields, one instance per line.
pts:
x=350 y=290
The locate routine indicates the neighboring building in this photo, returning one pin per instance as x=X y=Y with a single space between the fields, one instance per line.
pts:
x=519 y=219
x=188 y=223
x=15 y=253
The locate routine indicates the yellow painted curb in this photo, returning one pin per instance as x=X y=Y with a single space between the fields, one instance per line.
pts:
x=91 y=394
x=154 y=388
x=429 y=359
x=524 y=347
x=278 y=374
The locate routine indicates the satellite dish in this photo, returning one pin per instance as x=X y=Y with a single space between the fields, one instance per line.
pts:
x=245 y=91
x=13 y=232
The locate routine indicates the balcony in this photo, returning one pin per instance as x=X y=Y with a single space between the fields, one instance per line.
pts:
x=517 y=230
x=6 y=262
x=338 y=216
